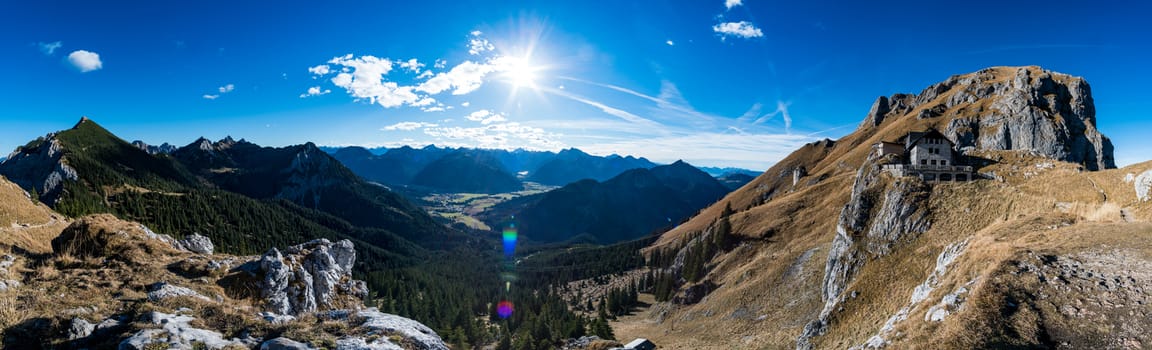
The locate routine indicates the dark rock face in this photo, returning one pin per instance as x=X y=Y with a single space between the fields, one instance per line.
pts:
x=40 y=166
x=1022 y=108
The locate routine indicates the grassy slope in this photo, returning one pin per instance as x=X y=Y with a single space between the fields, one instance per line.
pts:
x=770 y=285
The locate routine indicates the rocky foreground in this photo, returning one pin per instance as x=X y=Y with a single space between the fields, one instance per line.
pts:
x=108 y=283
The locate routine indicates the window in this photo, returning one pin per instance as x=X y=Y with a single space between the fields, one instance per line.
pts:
x=923 y=162
x=933 y=162
x=943 y=162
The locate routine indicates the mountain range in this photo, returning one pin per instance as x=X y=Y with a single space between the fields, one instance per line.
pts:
x=407 y=166
x=631 y=205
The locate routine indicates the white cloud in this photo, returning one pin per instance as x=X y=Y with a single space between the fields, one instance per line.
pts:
x=407 y=126
x=412 y=65
x=363 y=78
x=463 y=78
x=486 y=117
x=478 y=46
x=85 y=61
x=476 y=33
x=742 y=29
x=670 y=43
x=211 y=97
x=370 y=78
x=49 y=48
x=499 y=135
x=465 y=104
x=732 y=3
x=226 y=88
x=322 y=69
x=315 y=91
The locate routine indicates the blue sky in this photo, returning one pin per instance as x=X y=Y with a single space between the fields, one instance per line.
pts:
x=716 y=83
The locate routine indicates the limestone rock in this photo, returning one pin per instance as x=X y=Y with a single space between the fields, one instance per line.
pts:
x=161 y=290
x=176 y=332
x=197 y=243
x=80 y=328
x=309 y=276
x=1143 y=185
x=284 y=344
x=417 y=335
x=1011 y=108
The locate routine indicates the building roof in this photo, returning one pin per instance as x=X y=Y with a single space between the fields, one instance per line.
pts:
x=636 y=343
x=914 y=137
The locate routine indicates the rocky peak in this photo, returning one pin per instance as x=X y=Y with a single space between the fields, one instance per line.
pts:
x=40 y=166
x=1008 y=108
x=83 y=119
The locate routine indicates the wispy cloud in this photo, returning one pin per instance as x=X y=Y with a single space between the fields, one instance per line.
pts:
x=742 y=29
x=220 y=91
x=408 y=126
x=85 y=61
x=670 y=103
x=782 y=111
x=49 y=48
x=745 y=150
x=729 y=4
x=619 y=113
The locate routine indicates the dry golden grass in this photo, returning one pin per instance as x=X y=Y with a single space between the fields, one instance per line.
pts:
x=775 y=275
x=26 y=223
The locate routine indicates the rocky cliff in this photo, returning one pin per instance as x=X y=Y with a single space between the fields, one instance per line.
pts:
x=40 y=166
x=1024 y=108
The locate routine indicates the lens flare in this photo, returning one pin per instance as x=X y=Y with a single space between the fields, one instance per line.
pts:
x=510 y=241
x=504 y=309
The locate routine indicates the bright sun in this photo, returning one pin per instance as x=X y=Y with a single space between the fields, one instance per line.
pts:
x=521 y=73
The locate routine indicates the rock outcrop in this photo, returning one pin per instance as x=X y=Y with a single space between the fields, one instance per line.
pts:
x=176 y=332
x=196 y=243
x=310 y=276
x=881 y=213
x=40 y=166
x=1143 y=185
x=1005 y=108
x=418 y=336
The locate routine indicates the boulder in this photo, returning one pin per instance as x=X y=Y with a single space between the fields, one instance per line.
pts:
x=80 y=328
x=197 y=244
x=162 y=290
x=417 y=336
x=176 y=332
x=282 y=343
x=310 y=276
